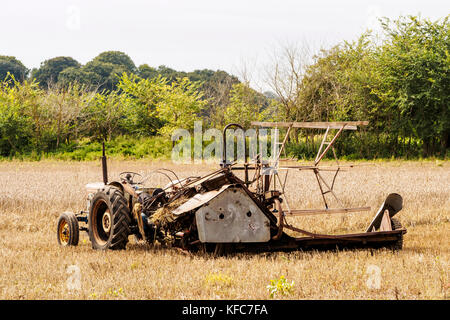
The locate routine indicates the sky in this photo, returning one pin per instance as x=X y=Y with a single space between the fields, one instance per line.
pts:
x=190 y=34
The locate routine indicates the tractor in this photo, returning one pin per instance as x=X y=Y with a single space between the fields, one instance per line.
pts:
x=220 y=212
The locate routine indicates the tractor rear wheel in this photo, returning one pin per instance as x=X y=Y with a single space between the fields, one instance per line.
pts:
x=109 y=219
x=396 y=225
x=68 y=231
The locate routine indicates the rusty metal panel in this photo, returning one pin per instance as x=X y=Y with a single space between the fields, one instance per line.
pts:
x=198 y=200
x=232 y=216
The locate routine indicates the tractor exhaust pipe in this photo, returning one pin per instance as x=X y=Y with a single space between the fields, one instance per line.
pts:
x=104 y=166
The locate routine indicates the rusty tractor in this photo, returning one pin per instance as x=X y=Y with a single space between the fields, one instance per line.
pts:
x=220 y=212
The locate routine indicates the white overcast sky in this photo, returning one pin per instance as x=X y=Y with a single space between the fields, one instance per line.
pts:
x=191 y=34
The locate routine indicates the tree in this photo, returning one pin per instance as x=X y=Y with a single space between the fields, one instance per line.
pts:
x=414 y=66
x=117 y=58
x=338 y=86
x=141 y=98
x=155 y=106
x=25 y=119
x=71 y=75
x=400 y=84
x=15 y=124
x=13 y=66
x=48 y=72
x=65 y=106
x=147 y=72
x=216 y=86
x=103 y=75
x=169 y=73
x=105 y=115
x=247 y=105
x=104 y=71
x=181 y=105
x=285 y=78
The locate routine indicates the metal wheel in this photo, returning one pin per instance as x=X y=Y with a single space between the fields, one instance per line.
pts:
x=109 y=219
x=68 y=231
x=100 y=222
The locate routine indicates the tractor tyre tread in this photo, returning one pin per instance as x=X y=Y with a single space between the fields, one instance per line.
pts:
x=121 y=219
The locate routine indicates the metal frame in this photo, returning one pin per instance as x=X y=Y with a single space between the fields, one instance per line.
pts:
x=324 y=187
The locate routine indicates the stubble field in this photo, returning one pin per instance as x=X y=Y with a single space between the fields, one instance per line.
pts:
x=33 y=266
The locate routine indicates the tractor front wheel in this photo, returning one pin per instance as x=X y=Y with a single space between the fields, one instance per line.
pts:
x=68 y=231
x=109 y=219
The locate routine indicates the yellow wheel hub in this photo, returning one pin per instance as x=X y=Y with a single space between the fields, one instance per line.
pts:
x=106 y=221
x=64 y=232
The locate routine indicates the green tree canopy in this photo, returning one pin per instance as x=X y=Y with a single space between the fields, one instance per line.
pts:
x=216 y=86
x=13 y=66
x=400 y=84
x=79 y=75
x=117 y=58
x=147 y=72
x=157 y=106
x=104 y=71
x=15 y=123
x=48 y=72
x=247 y=105
x=414 y=74
x=181 y=105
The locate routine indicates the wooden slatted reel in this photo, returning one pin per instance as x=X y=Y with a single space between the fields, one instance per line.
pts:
x=320 y=154
x=327 y=143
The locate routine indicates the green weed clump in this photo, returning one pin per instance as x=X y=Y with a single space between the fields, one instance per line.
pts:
x=280 y=287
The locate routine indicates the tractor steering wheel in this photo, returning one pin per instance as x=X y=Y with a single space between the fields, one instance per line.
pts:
x=129 y=176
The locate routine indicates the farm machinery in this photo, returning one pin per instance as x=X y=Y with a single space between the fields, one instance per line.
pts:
x=220 y=212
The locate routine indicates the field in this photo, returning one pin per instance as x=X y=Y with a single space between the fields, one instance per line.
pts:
x=33 y=266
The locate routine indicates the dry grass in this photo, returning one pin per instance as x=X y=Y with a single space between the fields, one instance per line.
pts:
x=34 y=267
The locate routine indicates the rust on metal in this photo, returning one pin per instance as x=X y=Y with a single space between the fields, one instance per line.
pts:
x=307 y=212
x=198 y=200
x=349 y=125
x=280 y=219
